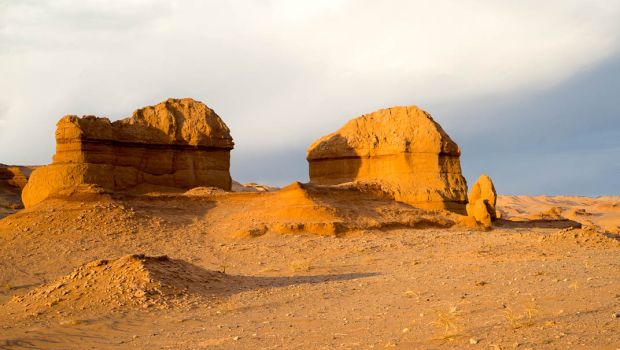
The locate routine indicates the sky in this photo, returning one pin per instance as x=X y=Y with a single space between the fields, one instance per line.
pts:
x=529 y=89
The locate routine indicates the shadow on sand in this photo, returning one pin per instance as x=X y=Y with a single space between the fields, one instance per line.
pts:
x=538 y=223
x=107 y=330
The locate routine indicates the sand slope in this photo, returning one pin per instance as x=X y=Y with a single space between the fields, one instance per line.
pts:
x=603 y=213
x=388 y=281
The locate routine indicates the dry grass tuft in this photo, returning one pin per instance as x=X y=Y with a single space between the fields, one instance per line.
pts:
x=449 y=321
x=523 y=318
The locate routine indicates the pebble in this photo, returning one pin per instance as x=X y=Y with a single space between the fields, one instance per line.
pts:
x=616 y=315
x=473 y=341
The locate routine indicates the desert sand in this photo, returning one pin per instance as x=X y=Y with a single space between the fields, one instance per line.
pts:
x=346 y=264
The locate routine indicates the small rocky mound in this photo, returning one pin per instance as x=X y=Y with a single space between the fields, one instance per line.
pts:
x=587 y=236
x=178 y=144
x=131 y=281
x=252 y=187
x=204 y=192
x=293 y=210
x=482 y=200
x=331 y=210
x=400 y=150
x=551 y=214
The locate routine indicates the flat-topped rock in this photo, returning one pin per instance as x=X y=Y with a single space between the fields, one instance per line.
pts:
x=400 y=150
x=174 y=122
x=179 y=143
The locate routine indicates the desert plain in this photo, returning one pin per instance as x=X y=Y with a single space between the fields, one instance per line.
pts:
x=137 y=237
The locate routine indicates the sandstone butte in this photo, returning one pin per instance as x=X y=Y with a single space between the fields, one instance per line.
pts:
x=401 y=151
x=178 y=143
x=482 y=200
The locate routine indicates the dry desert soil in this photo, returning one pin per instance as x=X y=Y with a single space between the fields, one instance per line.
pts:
x=213 y=270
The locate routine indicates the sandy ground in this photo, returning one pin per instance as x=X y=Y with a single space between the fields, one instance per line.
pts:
x=602 y=213
x=530 y=283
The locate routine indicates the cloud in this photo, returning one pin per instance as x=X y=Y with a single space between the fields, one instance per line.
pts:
x=282 y=73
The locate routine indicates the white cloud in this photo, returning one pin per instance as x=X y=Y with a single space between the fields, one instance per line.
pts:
x=280 y=72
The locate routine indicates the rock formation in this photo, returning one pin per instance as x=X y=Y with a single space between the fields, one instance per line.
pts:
x=179 y=143
x=12 y=181
x=480 y=211
x=401 y=151
x=14 y=176
x=482 y=197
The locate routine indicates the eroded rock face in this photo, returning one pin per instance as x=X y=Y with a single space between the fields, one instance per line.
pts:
x=480 y=211
x=482 y=191
x=401 y=150
x=179 y=143
x=12 y=180
x=13 y=176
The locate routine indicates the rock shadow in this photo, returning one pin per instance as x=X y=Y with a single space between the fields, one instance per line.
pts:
x=537 y=223
x=200 y=281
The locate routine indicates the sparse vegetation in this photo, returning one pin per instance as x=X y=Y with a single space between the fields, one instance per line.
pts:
x=522 y=318
x=449 y=322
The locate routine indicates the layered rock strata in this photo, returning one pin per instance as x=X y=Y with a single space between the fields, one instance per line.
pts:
x=401 y=151
x=179 y=143
x=13 y=176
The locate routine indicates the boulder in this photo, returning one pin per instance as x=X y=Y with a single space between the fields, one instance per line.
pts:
x=401 y=151
x=479 y=210
x=483 y=190
x=179 y=143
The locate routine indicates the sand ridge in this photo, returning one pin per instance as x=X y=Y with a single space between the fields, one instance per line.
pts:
x=364 y=286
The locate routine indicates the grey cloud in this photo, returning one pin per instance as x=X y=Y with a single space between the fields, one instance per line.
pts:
x=564 y=140
x=282 y=73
